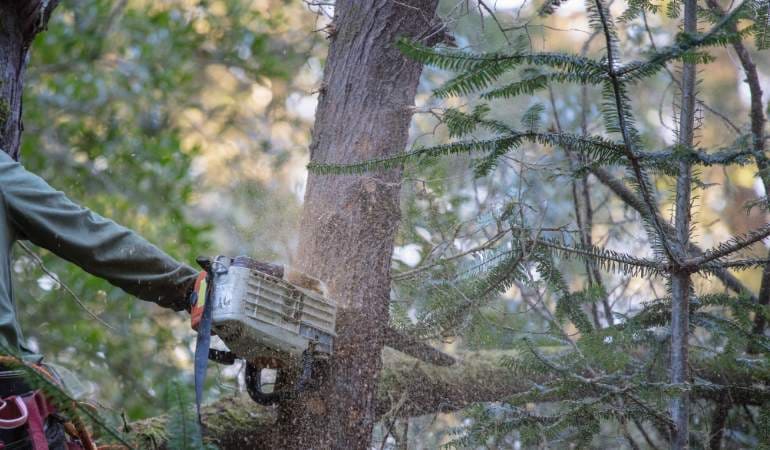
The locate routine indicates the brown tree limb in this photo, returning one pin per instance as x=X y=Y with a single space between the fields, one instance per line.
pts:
x=718 y=421
x=416 y=348
x=232 y=422
x=238 y=423
x=758 y=119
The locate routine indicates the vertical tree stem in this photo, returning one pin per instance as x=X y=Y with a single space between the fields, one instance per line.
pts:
x=681 y=282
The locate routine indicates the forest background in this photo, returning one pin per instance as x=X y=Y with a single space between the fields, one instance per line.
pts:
x=190 y=122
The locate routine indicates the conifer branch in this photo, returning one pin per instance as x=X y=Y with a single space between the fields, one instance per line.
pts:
x=459 y=60
x=761 y=26
x=426 y=267
x=541 y=81
x=610 y=260
x=736 y=243
x=738 y=264
x=581 y=200
x=629 y=138
x=594 y=147
x=632 y=200
x=738 y=154
x=687 y=42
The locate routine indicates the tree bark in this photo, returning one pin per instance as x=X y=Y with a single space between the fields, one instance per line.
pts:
x=20 y=22
x=13 y=60
x=349 y=222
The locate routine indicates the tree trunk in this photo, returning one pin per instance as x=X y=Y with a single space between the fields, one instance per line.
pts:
x=20 y=21
x=349 y=222
x=13 y=59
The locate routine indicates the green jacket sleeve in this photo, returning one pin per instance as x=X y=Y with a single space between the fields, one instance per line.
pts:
x=100 y=246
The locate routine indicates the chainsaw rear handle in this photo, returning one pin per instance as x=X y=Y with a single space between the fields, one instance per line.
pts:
x=222 y=357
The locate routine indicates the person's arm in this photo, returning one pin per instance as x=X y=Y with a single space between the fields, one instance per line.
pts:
x=100 y=246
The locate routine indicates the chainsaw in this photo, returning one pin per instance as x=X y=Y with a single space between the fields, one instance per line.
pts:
x=266 y=321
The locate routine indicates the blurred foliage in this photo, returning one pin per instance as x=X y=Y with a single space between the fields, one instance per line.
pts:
x=108 y=91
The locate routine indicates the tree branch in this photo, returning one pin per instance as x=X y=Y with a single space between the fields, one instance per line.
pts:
x=236 y=422
x=718 y=421
x=733 y=245
x=758 y=119
x=35 y=15
x=723 y=157
x=629 y=198
x=625 y=130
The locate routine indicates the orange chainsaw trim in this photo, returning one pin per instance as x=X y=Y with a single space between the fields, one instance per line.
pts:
x=198 y=300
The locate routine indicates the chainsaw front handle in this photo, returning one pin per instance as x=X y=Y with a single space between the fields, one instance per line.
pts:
x=305 y=381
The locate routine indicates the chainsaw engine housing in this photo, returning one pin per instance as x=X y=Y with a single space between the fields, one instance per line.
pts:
x=260 y=316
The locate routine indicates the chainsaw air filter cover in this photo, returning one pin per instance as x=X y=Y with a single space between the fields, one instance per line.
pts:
x=260 y=316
